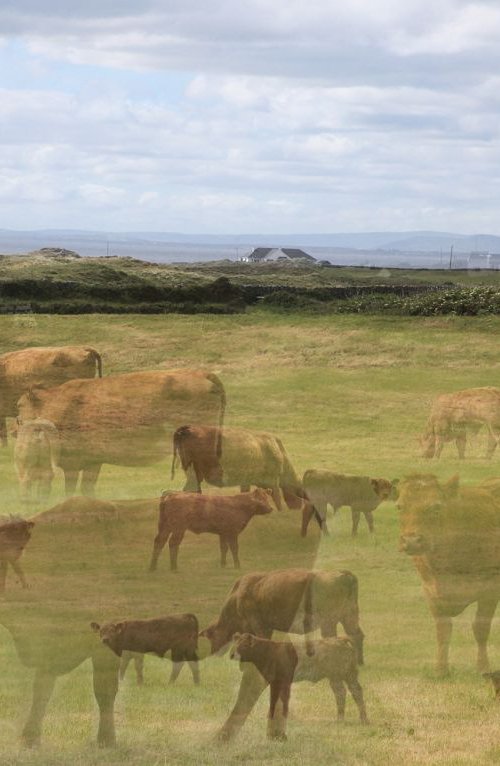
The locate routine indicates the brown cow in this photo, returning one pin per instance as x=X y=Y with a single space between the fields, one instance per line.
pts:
x=177 y=633
x=36 y=454
x=453 y=415
x=49 y=366
x=225 y=516
x=242 y=458
x=288 y=600
x=15 y=534
x=281 y=663
x=453 y=536
x=361 y=493
x=122 y=419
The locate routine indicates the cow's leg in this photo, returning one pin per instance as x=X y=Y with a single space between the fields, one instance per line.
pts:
x=350 y=623
x=481 y=627
x=173 y=544
x=124 y=663
x=43 y=686
x=193 y=482
x=339 y=691
x=90 y=474
x=139 y=668
x=355 y=521
x=194 y=666
x=307 y=514
x=277 y=497
x=3 y=430
x=444 y=627
x=3 y=576
x=223 y=550
x=369 y=521
x=16 y=566
x=70 y=481
x=177 y=663
x=106 y=666
x=328 y=629
x=439 y=446
x=158 y=545
x=461 y=442
x=357 y=693
x=233 y=544
x=251 y=687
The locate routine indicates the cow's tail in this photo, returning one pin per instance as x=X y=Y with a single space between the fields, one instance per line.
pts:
x=351 y=619
x=178 y=438
x=219 y=389
x=290 y=483
x=95 y=355
x=308 y=614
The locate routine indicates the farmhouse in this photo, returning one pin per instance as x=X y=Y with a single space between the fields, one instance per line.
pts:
x=277 y=254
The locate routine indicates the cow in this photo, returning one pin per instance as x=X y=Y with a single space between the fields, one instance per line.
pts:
x=50 y=366
x=177 y=633
x=453 y=415
x=15 y=534
x=361 y=493
x=121 y=419
x=453 y=537
x=282 y=663
x=287 y=600
x=243 y=458
x=36 y=454
x=225 y=516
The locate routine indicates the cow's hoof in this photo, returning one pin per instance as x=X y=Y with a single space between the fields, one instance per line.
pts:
x=106 y=742
x=223 y=736
x=279 y=736
x=30 y=741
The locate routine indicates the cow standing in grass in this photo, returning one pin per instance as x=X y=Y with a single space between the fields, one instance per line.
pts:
x=453 y=537
x=282 y=663
x=453 y=415
x=225 y=516
x=287 y=600
x=236 y=457
x=361 y=493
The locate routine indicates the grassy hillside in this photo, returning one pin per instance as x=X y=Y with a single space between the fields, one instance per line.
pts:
x=344 y=392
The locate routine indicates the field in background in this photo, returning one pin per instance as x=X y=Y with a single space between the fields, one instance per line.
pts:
x=347 y=393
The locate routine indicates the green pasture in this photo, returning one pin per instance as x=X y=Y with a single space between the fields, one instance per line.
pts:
x=343 y=392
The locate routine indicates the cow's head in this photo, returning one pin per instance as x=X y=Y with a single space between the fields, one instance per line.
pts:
x=219 y=637
x=110 y=634
x=15 y=534
x=428 y=444
x=263 y=499
x=29 y=404
x=243 y=648
x=421 y=501
x=385 y=489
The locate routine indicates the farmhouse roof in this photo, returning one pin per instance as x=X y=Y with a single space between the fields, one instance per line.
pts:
x=274 y=253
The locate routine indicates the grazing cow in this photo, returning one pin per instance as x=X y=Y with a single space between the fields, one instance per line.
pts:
x=121 y=419
x=49 y=366
x=36 y=454
x=453 y=536
x=177 y=633
x=15 y=534
x=361 y=493
x=243 y=459
x=288 y=600
x=453 y=415
x=226 y=516
x=281 y=663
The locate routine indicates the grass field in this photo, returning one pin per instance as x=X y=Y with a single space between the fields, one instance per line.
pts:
x=343 y=392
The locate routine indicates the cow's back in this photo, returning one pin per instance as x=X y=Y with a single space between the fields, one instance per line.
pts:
x=247 y=456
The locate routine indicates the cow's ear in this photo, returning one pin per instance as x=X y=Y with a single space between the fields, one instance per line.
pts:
x=95 y=627
x=376 y=485
x=452 y=485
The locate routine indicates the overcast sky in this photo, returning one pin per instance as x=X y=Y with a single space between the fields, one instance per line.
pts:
x=252 y=116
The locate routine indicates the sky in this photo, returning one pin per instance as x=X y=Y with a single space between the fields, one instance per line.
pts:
x=216 y=116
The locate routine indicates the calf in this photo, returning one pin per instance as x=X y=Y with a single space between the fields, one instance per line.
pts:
x=176 y=632
x=281 y=663
x=224 y=516
x=361 y=493
x=35 y=458
x=15 y=534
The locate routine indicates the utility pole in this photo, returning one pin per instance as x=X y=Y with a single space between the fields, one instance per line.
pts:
x=451 y=255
